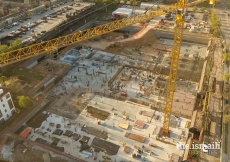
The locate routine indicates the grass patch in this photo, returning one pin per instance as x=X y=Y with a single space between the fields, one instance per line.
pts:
x=28 y=73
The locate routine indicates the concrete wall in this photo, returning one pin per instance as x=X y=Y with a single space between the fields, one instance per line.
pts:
x=193 y=38
x=130 y=29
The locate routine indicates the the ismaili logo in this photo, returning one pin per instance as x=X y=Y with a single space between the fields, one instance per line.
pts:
x=204 y=147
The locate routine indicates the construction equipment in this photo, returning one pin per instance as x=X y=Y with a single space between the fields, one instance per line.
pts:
x=123 y=93
x=171 y=86
x=54 y=44
x=50 y=46
x=162 y=22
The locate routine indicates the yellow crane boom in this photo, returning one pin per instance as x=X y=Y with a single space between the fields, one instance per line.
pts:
x=53 y=45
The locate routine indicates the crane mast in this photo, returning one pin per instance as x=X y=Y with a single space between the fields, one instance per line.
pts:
x=171 y=86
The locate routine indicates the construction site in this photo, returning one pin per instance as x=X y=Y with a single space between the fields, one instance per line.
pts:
x=110 y=100
x=120 y=99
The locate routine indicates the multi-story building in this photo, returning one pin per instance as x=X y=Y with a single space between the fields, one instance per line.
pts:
x=7 y=108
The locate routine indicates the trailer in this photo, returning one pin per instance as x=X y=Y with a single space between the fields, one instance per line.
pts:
x=149 y=6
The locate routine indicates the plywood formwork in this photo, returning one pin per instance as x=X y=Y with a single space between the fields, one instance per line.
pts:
x=139 y=124
x=135 y=137
x=124 y=125
x=148 y=113
x=105 y=146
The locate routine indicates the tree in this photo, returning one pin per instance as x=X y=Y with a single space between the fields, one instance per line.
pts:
x=226 y=119
x=16 y=43
x=138 y=3
x=3 y=47
x=2 y=80
x=203 y=9
x=226 y=77
x=24 y=101
x=227 y=108
x=194 y=8
x=14 y=84
x=226 y=57
x=131 y=2
x=216 y=32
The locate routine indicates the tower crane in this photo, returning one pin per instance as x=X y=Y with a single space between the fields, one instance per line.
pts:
x=171 y=86
x=47 y=47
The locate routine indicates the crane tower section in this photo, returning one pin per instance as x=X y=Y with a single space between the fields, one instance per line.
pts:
x=171 y=87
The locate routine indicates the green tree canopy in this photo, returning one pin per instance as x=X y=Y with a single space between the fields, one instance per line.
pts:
x=226 y=119
x=14 y=45
x=226 y=57
x=24 y=101
x=194 y=8
x=13 y=83
x=216 y=32
x=226 y=77
x=16 y=42
x=3 y=47
x=203 y=9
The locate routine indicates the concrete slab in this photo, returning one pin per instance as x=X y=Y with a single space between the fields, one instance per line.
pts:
x=111 y=126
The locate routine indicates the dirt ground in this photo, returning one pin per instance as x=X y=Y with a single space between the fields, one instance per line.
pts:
x=32 y=155
x=136 y=48
x=50 y=66
x=72 y=104
x=27 y=152
x=115 y=42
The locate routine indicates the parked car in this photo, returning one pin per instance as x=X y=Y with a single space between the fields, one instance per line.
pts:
x=8 y=26
x=15 y=24
x=19 y=29
x=1 y=30
x=24 y=28
x=44 y=18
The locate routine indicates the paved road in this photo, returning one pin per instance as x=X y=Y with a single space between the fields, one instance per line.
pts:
x=52 y=23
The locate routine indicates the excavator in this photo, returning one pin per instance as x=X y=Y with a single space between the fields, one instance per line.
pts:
x=50 y=46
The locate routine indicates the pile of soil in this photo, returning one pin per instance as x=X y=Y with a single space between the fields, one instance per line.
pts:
x=147 y=40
